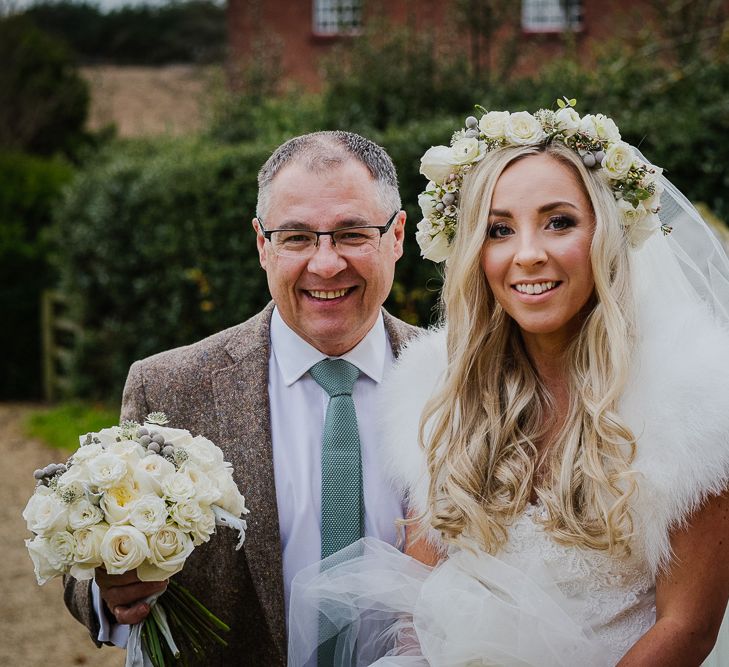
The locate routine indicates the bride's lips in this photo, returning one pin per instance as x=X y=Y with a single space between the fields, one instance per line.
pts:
x=535 y=291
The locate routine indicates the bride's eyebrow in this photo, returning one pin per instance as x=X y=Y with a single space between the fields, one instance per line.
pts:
x=499 y=213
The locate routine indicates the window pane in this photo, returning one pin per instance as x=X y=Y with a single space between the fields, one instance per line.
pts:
x=332 y=17
x=551 y=15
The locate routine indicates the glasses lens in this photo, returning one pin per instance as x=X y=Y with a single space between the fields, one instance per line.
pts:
x=293 y=243
x=357 y=240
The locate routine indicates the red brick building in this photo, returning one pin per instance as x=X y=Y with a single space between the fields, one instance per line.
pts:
x=302 y=31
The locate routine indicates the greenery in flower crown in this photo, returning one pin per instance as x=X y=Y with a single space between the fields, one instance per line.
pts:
x=596 y=139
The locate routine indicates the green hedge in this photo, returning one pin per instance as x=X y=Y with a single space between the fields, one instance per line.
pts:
x=30 y=188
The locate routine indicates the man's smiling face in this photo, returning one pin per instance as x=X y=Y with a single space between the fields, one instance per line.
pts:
x=329 y=300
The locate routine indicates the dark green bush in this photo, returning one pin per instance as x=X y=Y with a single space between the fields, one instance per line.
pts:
x=43 y=99
x=29 y=190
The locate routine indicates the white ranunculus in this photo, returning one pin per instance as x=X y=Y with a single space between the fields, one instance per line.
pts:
x=185 y=514
x=88 y=550
x=204 y=527
x=568 y=121
x=493 y=124
x=151 y=471
x=82 y=514
x=618 y=160
x=427 y=204
x=169 y=549
x=206 y=489
x=437 y=163
x=45 y=513
x=63 y=545
x=148 y=514
x=231 y=499
x=106 y=470
x=86 y=452
x=465 y=151
x=123 y=549
x=203 y=453
x=118 y=501
x=606 y=128
x=178 y=488
x=523 y=129
x=45 y=562
x=435 y=248
x=587 y=125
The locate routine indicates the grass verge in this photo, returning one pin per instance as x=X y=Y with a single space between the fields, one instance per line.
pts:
x=61 y=425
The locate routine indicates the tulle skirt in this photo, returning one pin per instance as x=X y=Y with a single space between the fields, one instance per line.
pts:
x=388 y=609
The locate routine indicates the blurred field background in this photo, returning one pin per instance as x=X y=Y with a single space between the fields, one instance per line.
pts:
x=130 y=139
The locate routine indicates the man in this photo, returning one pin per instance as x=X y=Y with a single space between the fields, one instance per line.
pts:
x=329 y=231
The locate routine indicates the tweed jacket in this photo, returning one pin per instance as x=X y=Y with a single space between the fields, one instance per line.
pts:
x=218 y=388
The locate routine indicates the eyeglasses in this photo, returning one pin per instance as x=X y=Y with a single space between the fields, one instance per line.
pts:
x=348 y=241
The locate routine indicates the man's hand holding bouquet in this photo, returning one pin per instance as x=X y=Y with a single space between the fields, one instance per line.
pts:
x=135 y=500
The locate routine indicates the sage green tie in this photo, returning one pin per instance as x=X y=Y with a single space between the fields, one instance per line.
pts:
x=342 y=516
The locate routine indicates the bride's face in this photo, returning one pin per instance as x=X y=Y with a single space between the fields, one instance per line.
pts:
x=536 y=257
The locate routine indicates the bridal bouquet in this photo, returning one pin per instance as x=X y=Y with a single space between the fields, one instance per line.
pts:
x=137 y=496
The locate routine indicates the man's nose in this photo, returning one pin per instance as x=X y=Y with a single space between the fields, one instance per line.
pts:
x=326 y=261
x=531 y=251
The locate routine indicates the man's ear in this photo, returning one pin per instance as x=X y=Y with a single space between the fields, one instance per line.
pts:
x=398 y=230
x=260 y=243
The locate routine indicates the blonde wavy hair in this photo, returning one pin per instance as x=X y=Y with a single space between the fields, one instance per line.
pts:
x=480 y=431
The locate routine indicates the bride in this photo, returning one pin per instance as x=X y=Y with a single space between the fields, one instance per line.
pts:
x=563 y=440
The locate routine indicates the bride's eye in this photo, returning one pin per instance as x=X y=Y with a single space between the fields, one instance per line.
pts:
x=560 y=222
x=499 y=230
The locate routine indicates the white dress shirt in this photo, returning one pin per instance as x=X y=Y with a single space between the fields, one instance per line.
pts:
x=298 y=409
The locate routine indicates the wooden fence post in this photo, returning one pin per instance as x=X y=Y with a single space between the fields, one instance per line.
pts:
x=58 y=334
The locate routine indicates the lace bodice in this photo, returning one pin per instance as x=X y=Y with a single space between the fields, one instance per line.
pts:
x=613 y=596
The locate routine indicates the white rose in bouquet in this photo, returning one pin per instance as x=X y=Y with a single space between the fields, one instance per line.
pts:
x=118 y=501
x=88 y=551
x=178 y=488
x=149 y=514
x=45 y=562
x=169 y=549
x=203 y=453
x=123 y=548
x=106 y=470
x=82 y=513
x=45 y=513
x=63 y=545
x=206 y=489
x=204 y=527
x=186 y=514
x=232 y=499
x=86 y=452
x=152 y=472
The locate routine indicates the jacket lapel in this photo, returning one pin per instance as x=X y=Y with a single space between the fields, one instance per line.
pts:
x=242 y=407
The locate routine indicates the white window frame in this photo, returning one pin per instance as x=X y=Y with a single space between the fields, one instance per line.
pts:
x=337 y=17
x=550 y=15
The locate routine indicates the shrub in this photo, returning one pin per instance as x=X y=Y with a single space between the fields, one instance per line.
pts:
x=29 y=190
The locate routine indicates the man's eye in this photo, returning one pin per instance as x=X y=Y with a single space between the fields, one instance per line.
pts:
x=294 y=239
x=353 y=236
x=499 y=231
x=561 y=222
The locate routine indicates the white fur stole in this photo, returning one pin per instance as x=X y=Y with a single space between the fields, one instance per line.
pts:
x=676 y=403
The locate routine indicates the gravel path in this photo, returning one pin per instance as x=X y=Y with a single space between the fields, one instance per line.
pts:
x=36 y=630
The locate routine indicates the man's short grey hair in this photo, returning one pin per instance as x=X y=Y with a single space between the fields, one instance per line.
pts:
x=322 y=151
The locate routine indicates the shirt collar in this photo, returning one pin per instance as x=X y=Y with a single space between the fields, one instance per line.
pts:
x=295 y=356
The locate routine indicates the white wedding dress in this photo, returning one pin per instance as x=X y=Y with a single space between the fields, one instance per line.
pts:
x=536 y=602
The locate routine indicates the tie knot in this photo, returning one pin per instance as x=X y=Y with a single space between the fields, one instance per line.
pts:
x=335 y=376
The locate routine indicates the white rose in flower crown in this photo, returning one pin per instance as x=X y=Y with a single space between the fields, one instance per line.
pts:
x=523 y=129
x=618 y=160
x=606 y=127
x=493 y=124
x=88 y=551
x=437 y=163
x=568 y=121
x=427 y=204
x=45 y=562
x=118 y=502
x=465 y=151
x=169 y=549
x=433 y=246
x=148 y=514
x=178 y=488
x=45 y=513
x=204 y=527
x=587 y=125
x=106 y=470
x=123 y=548
x=82 y=514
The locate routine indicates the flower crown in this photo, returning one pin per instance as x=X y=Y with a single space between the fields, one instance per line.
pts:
x=596 y=139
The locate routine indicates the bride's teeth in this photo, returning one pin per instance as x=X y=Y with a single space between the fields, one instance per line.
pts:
x=535 y=288
x=332 y=294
